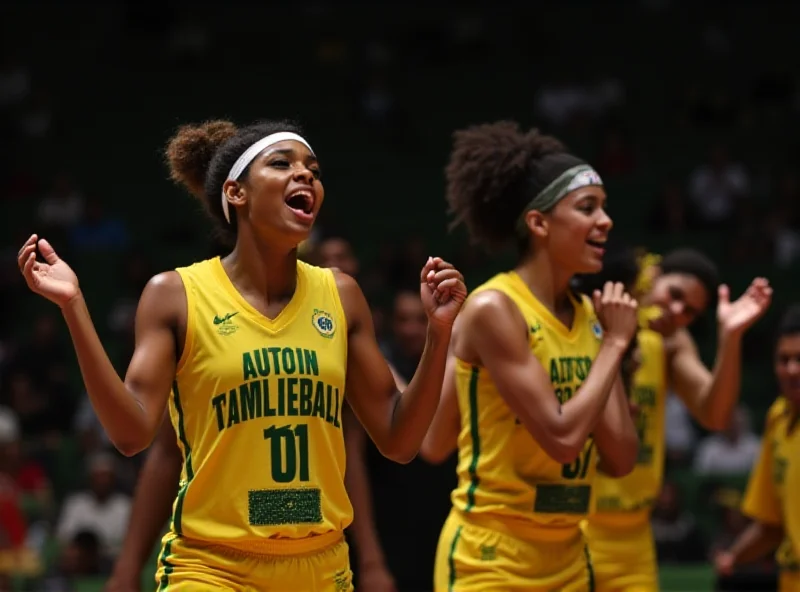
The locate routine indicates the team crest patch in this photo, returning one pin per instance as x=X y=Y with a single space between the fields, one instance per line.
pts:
x=323 y=323
x=597 y=330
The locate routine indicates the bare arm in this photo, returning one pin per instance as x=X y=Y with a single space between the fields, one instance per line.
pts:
x=615 y=434
x=710 y=396
x=758 y=540
x=498 y=334
x=152 y=504
x=442 y=437
x=131 y=411
x=396 y=422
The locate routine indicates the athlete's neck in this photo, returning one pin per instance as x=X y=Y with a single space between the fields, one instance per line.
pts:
x=267 y=270
x=548 y=283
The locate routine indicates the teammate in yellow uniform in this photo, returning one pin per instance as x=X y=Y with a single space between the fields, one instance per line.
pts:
x=534 y=370
x=773 y=493
x=251 y=353
x=672 y=291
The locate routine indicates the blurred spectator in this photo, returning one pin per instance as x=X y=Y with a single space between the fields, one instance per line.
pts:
x=731 y=452
x=98 y=230
x=15 y=81
x=100 y=509
x=616 y=156
x=61 y=208
x=681 y=436
x=675 y=531
x=28 y=475
x=81 y=557
x=715 y=188
x=669 y=213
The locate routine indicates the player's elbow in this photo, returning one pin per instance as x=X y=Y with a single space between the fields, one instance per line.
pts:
x=432 y=454
x=402 y=457
x=564 y=451
x=131 y=443
x=622 y=459
x=398 y=452
x=128 y=447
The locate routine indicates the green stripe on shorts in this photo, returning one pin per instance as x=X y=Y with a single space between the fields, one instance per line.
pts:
x=450 y=561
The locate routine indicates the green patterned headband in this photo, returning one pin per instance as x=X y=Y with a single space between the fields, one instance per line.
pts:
x=581 y=175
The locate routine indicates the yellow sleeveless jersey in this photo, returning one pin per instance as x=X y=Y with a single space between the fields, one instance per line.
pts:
x=504 y=475
x=628 y=500
x=771 y=495
x=257 y=408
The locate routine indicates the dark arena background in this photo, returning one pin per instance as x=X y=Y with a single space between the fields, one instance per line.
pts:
x=689 y=111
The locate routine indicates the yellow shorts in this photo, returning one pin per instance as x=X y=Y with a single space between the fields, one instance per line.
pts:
x=789 y=581
x=187 y=566
x=623 y=559
x=473 y=558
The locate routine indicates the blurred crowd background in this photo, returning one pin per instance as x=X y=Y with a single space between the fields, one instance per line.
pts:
x=688 y=110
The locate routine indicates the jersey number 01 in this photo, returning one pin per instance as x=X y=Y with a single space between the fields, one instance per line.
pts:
x=288 y=452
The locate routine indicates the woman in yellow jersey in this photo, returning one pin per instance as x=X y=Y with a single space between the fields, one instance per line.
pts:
x=534 y=370
x=256 y=349
x=773 y=493
x=672 y=292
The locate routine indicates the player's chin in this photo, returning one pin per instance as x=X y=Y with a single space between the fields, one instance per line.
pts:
x=591 y=263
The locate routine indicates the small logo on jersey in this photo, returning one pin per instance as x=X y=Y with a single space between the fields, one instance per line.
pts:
x=536 y=332
x=323 y=323
x=488 y=553
x=597 y=330
x=226 y=326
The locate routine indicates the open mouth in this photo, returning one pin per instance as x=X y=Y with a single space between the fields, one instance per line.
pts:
x=596 y=244
x=301 y=202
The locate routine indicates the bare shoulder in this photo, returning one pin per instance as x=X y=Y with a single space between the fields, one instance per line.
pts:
x=487 y=320
x=352 y=298
x=164 y=296
x=488 y=308
x=347 y=285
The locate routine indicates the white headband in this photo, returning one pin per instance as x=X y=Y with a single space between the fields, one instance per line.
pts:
x=250 y=154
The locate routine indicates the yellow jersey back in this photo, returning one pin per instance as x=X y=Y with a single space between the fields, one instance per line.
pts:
x=504 y=474
x=257 y=408
x=628 y=500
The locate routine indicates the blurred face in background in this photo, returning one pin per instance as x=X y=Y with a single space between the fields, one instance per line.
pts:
x=681 y=297
x=787 y=367
x=337 y=252
x=409 y=323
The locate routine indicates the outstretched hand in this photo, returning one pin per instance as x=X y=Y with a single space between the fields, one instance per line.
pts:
x=442 y=290
x=51 y=278
x=738 y=316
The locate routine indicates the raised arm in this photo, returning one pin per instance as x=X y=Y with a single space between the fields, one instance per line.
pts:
x=442 y=437
x=152 y=504
x=615 y=434
x=397 y=422
x=498 y=334
x=711 y=396
x=130 y=411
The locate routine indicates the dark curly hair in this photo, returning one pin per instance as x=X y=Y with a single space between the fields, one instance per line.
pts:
x=200 y=156
x=488 y=179
x=694 y=263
